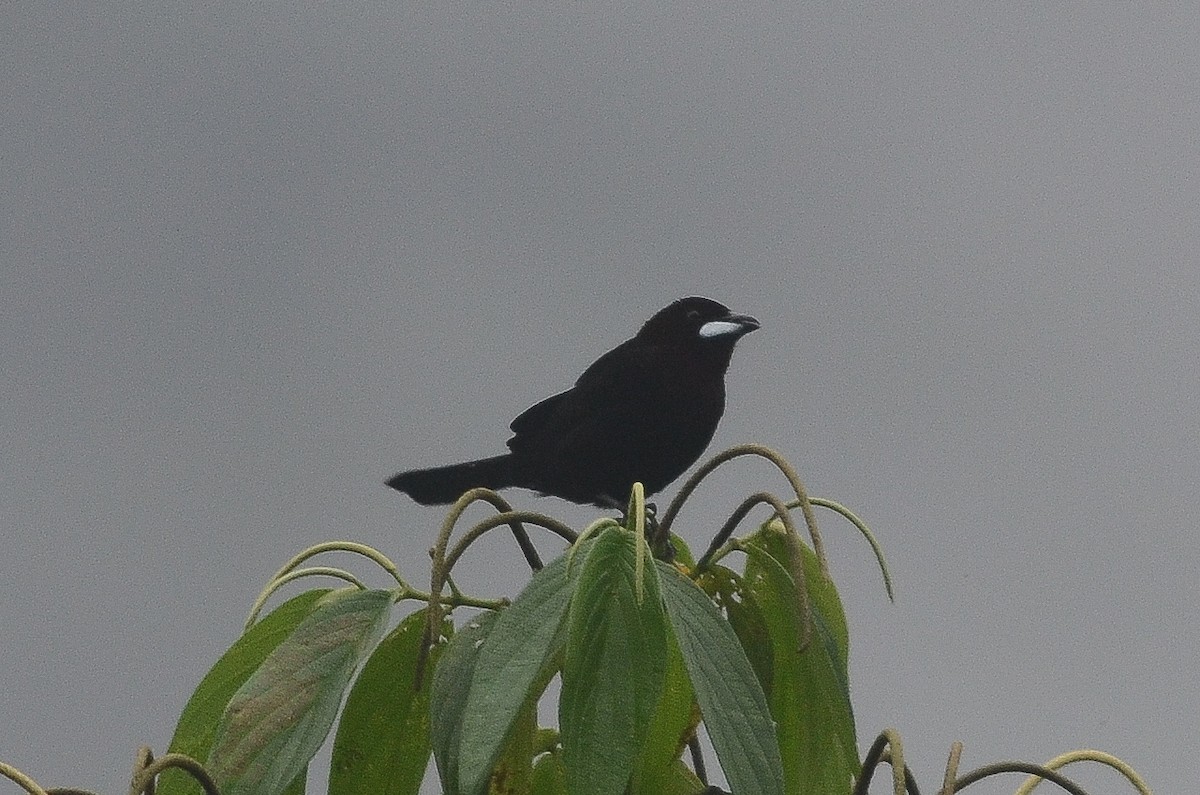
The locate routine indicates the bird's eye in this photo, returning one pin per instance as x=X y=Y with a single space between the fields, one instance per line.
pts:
x=693 y=314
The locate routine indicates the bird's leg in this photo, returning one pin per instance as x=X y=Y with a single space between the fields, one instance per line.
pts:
x=660 y=546
x=612 y=503
x=660 y=543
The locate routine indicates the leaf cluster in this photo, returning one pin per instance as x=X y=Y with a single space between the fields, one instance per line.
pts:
x=643 y=651
x=646 y=651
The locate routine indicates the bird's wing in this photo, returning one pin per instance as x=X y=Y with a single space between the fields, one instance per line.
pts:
x=605 y=387
x=535 y=417
x=618 y=372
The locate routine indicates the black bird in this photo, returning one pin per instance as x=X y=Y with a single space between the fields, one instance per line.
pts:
x=644 y=411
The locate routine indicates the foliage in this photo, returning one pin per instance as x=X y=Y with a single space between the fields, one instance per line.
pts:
x=648 y=646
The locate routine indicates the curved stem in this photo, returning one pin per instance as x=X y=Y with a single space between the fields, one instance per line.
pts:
x=1089 y=755
x=507 y=518
x=1018 y=767
x=21 y=780
x=951 y=769
x=849 y=515
x=781 y=464
x=887 y=741
x=295 y=574
x=443 y=563
x=144 y=778
x=284 y=575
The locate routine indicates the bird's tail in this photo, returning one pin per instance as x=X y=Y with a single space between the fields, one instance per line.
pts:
x=442 y=485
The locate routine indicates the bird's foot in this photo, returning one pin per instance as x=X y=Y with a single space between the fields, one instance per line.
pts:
x=660 y=542
x=660 y=545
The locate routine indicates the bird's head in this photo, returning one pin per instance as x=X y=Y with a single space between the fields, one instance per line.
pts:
x=695 y=320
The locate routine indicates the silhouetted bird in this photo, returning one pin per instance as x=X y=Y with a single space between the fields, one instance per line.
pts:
x=644 y=411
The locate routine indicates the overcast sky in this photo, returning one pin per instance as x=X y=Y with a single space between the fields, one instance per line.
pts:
x=254 y=261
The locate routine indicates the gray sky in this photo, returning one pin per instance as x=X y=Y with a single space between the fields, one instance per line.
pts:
x=254 y=261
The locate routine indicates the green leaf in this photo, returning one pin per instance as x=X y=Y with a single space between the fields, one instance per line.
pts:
x=514 y=664
x=451 y=682
x=513 y=772
x=683 y=555
x=614 y=665
x=679 y=780
x=809 y=697
x=198 y=722
x=278 y=719
x=674 y=721
x=822 y=593
x=382 y=744
x=731 y=700
x=746 y=619
x=549 y=776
